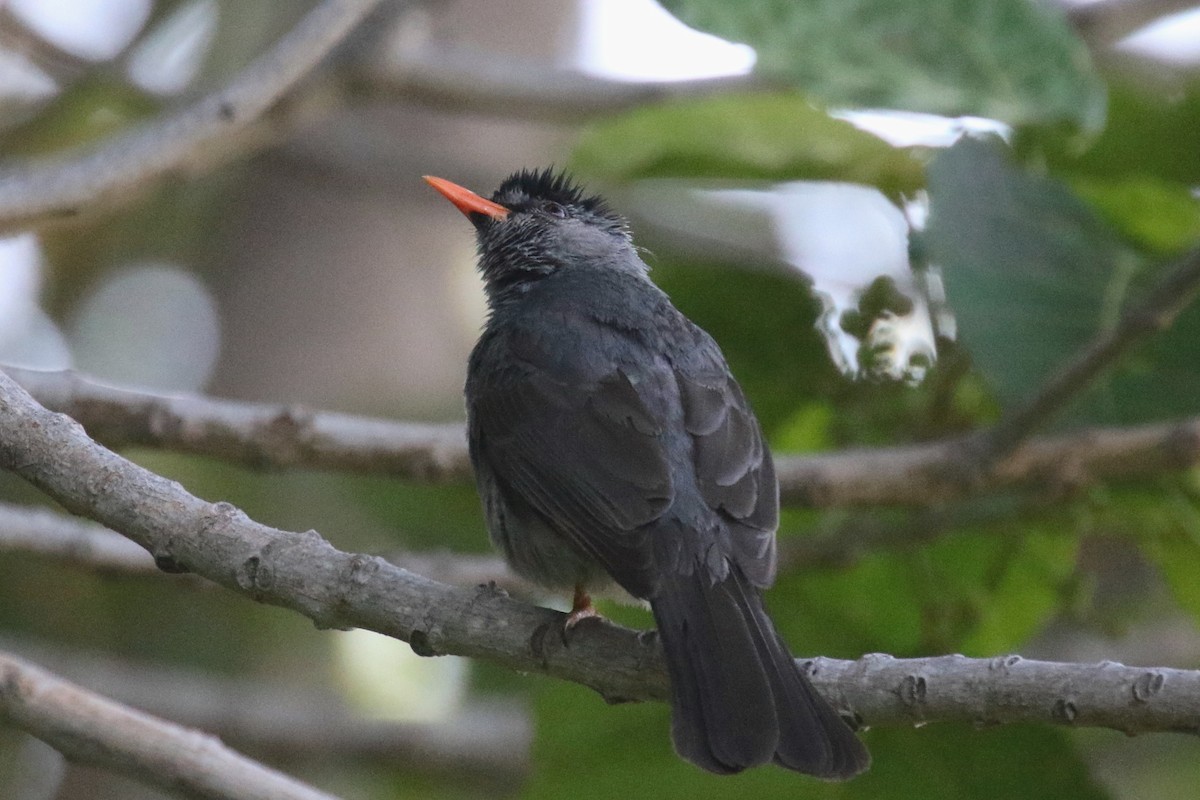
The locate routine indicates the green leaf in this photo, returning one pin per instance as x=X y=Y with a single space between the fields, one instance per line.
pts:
x=1011 y=60
x=1149 y=133
x=1031 y=272
x=809 y=429
x=1173 y=543
x=1159 y=379
x=765 y=325
x=982 y=589
x=755 y=136
x=1154 y=214
x=1023 y=587
x=1017 y=762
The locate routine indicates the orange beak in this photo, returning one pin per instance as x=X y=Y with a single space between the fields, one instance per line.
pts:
x=465 y=200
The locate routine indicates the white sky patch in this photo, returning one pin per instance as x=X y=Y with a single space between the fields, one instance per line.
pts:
x=912 y=128
x=96 y=30
x=168 y=58
x=21 y=79
x=20 y=281
x=28 y=338
x=1174 y=38
x=385 y=679
x=844 y=236
x=152 y=325
x=637 y=40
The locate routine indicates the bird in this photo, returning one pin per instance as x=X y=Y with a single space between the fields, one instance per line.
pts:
x=612 y=445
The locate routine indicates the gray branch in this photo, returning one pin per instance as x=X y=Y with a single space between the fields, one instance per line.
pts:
x=1011 y=689
x=263 y=436
x=91 y=729
x=41 y=190
x=930 y=474
x=77 y=542
x=303 y=572
x=303 y=724
x=255 y=435
x=43 y=532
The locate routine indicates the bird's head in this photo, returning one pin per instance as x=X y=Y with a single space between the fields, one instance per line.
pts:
x=537 y=223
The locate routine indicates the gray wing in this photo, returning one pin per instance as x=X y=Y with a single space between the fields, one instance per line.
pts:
x=582 y=444
x=733 y=465
x=586 y=456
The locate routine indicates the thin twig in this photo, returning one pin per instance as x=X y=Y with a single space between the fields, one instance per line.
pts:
x=1010 y=689
x=1153 y=313
x=303 y=572
x=930 y=474
x=92 y=729
x=263 y=436
x=62 y=188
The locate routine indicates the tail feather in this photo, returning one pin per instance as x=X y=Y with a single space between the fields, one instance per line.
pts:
x=724 y=718
x=738 y=698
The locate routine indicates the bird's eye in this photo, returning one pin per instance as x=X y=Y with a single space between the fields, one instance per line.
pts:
x=555 y=210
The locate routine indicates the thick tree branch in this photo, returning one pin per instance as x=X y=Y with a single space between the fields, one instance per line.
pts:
x=1153 y=313
x=303 y=572
x=1009 y=689
x=278 y=437
x=61 y=188
x=94 y=730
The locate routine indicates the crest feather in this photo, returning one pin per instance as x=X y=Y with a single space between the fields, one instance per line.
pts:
x=549 y=185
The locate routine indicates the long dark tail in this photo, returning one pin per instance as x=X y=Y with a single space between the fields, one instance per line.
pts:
x=737 y=697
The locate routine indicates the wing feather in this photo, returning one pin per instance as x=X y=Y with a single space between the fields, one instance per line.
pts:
x=588 y=457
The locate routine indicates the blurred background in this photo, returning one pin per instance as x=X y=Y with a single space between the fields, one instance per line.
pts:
x=896 y=219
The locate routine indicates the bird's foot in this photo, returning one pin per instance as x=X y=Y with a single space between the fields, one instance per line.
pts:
x=581 y=609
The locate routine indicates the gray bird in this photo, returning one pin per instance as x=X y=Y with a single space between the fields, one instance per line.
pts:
x=611 y=444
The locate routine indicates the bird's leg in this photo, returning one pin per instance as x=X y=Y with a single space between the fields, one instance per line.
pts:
x=581 y=609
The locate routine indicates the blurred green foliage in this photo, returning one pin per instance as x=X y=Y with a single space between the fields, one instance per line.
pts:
x=1041 y=244
x=1029 y=267
x=761 y=136
x=1009 y=59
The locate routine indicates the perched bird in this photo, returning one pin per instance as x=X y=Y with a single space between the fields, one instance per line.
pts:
x=611 y=444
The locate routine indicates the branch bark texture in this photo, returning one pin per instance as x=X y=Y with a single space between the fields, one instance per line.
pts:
x=261 y=436
x=255 y=435
x=304 y=572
